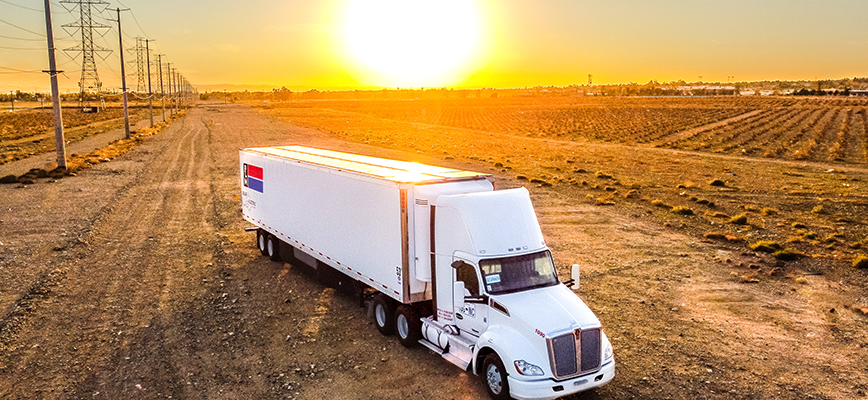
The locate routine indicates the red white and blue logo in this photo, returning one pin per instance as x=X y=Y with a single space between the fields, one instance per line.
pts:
x=253 y=177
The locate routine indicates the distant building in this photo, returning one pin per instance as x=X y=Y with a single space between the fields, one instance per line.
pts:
x=858 y=92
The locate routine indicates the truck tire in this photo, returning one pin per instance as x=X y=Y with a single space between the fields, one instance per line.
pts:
x=272 y=248
x=408 y=326
x=260 y=241
x=384 y=314
x=494 y=377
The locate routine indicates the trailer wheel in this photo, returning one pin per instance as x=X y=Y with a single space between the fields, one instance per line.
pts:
x=408 y=326
x=272 y=248
x=261 y=237
x=494 y=377
x=384 y=314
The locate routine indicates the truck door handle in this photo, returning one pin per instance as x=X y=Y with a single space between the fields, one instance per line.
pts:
x=459 y=316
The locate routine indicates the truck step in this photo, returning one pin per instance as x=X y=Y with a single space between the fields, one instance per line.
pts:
x=431 y=346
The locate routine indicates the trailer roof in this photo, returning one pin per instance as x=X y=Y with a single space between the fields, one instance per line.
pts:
x=393 y=170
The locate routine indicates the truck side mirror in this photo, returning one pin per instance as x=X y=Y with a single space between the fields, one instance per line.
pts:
x=574 y=274
x=458 y=294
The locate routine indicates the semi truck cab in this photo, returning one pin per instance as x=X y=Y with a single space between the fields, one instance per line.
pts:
x=501 y=311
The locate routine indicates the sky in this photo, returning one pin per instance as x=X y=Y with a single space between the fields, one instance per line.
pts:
x=305 y=45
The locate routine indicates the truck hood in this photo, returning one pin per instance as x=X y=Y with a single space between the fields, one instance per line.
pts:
x=552 y=310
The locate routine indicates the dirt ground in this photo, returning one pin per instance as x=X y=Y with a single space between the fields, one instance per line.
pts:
x=135 y=278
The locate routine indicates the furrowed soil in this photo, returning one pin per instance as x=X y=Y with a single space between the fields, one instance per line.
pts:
x=136 y=278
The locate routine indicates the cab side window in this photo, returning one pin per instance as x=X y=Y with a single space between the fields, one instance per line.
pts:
x=465 y=272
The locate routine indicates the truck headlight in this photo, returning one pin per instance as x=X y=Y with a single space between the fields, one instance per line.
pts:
x=608 y=353
x=525 y=368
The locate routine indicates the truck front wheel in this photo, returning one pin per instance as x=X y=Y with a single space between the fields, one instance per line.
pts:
x=272 y=248
x=494 y=377
x=408 y=326
x=384 y=316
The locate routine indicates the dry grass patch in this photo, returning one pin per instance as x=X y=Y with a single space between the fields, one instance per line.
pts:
x=766 y=246
x=750 y=277
x=660 y=203
x=740 y=219
x=602 y=175
x=788 y=254
x=682 y=210
x=861 y=261
x=768 y=211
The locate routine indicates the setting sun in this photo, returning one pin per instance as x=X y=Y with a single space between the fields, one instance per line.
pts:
x=412 y=43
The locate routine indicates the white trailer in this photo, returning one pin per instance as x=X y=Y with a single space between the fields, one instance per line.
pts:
x=447 y=262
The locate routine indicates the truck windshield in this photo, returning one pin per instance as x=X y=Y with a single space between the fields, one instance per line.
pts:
x=514 y=274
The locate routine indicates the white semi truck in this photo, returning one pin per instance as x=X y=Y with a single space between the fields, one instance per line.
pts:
x=443 y=259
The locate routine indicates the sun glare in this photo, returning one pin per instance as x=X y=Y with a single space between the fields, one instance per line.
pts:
x=412 y=42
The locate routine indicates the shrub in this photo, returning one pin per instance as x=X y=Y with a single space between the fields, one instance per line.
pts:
x=703 y=201
x=787 y=254
x=682 y=210
x=861 y=261
x=766 y=246
x=715 y=236
x=631 y=194
x=660 y=203
x=769 y=211
x=817 y=210
x=602 y=175
x=717 y=182
x=740 y=219
x=799 y=225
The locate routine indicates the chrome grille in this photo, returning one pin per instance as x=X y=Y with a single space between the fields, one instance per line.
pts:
x=590 y=354
x=575 y=353
x=564 y=353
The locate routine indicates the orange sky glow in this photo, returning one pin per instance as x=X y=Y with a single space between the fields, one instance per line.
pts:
x=371 y=44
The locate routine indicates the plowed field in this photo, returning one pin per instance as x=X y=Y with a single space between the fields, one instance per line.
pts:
x=136 y=279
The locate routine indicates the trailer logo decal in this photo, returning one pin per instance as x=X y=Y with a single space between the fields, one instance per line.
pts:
x=253 y=177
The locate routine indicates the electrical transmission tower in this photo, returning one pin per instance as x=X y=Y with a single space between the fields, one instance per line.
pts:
x=89 y=84
x=141 y=75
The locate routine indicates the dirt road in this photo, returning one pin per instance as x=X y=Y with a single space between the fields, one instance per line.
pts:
x=135 y=279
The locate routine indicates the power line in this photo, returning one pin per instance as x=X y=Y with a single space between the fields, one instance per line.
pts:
x=20 y=6
x=28 y=8
x=17 y=38
x=135 y=19
x=23 y=29
x=20 y=48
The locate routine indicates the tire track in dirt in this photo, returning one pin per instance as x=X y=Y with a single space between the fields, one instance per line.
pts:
x=112 y=287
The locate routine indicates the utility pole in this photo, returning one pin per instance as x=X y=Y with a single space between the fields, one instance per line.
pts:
x=162 y=92
x=177 y=91
x=60 y=143
x=123 y=76
x=150 y=92
x=169 y=77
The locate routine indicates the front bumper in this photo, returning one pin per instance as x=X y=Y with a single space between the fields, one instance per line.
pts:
x=551 y=389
